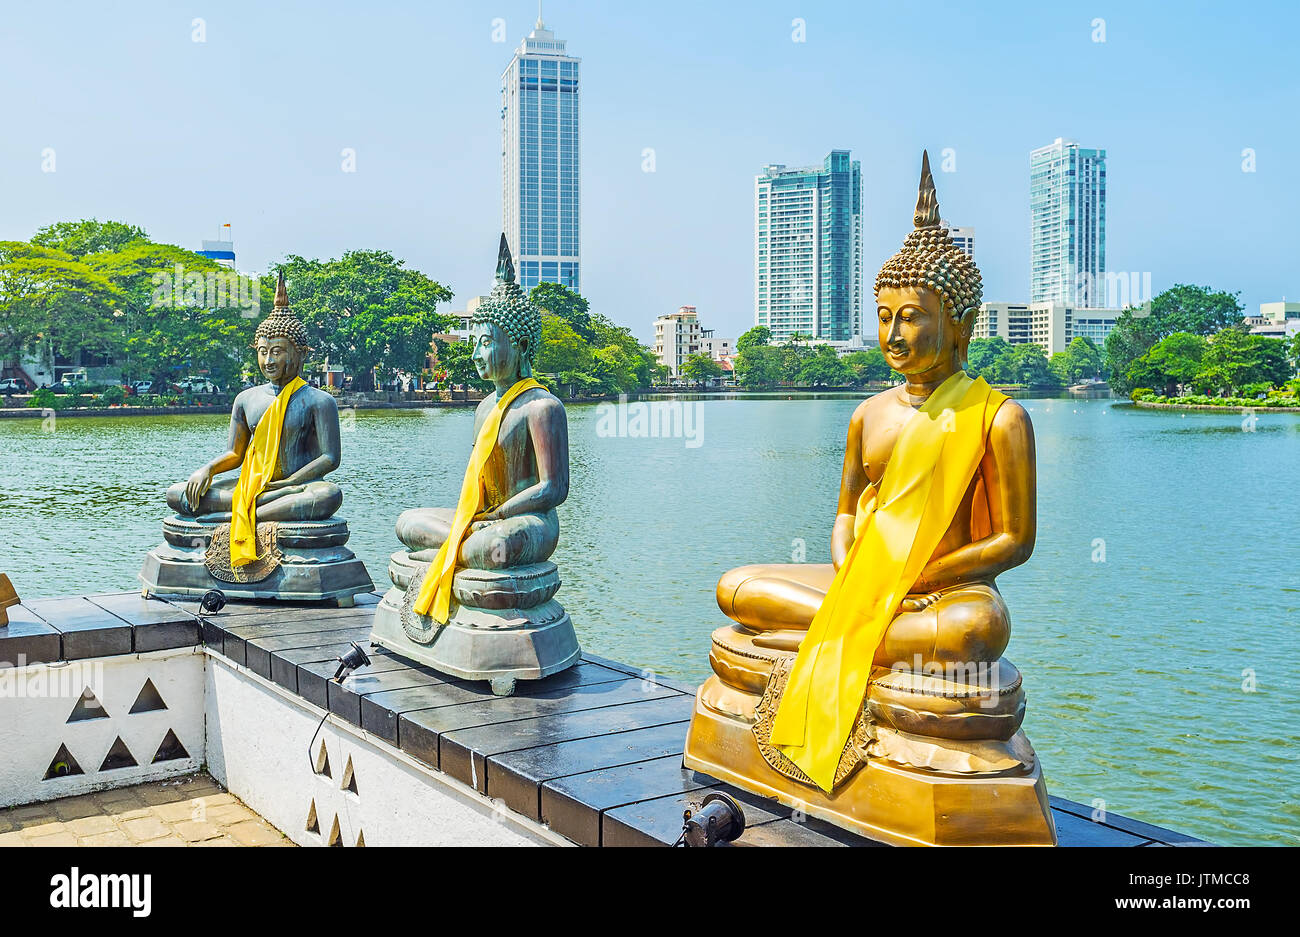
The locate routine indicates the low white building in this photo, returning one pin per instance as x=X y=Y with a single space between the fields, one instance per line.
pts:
x=1050 y=325
x=678 y=335
x=1276 y=320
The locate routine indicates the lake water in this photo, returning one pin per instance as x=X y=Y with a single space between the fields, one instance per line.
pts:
x=1165 y=579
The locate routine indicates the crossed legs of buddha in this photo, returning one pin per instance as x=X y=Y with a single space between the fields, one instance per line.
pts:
x=504 y=544
x=964 y=625
x=313 y=501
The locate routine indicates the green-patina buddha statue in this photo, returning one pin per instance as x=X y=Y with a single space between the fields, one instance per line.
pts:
x=270 y=532
x=473 y=590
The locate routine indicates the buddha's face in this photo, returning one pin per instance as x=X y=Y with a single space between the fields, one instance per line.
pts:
x=279 y=359
x=917 y=335
x=495 y=356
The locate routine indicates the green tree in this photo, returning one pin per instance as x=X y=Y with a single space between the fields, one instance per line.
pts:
x=567 y=304
x=1027 y=364
x=700 y=369
x=758 y=367
x=54 y=303
x=563 y=349
x=758 y=335
x=454 y=358
x=1081 y=360
x=1234 y=358
x=1197 y=310
x=983 y=357
x=640 y=360
x=615 y=369
x=824 y=368
x=1174 y=360
x=868 y=367
x=182 y=312
x=88 y=236
x=367 y=311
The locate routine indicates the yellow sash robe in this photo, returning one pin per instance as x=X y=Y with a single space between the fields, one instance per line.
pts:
x=897 y=530
x=434 y=599
x=260 y=462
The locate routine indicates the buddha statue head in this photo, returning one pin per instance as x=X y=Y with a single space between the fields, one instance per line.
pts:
x=281 y=340
x=506 y=329
x=927 y=295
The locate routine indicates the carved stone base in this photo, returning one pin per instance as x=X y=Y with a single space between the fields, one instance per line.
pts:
x=934 y=760
x=313 y=563
x=514 y=630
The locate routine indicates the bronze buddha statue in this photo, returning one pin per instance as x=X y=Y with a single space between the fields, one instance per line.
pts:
x=872 y=691
x=473 y=590
x=270 y=532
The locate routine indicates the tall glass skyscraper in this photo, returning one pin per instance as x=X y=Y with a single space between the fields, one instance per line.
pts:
x=808 y=249
x=539 y=160
x=1067 y=216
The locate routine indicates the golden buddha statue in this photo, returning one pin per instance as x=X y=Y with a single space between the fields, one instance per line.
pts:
x=872 y=691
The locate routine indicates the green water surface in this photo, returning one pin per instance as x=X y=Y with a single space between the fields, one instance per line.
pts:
x=1166 y=575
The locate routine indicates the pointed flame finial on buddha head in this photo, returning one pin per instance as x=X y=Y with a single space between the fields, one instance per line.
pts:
x=930 y=260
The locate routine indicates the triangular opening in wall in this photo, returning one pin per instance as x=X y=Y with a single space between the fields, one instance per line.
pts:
x=313 y=824
x=119 y=756
x=336 y=838
x=148 y=700
x=171 y=748
x=88 y=707
x=63 y=765
x=349 y=778
x=323 y=762
x=361 y=839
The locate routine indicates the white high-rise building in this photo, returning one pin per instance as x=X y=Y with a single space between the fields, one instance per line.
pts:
x=539 y=161
x=963 y=237
x=1067 y=211
x=808 y=249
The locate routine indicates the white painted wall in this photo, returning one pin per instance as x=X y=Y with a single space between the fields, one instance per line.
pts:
x=36 y=701
x=258 y=737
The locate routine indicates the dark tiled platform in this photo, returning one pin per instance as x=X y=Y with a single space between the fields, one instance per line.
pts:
x=47 y=630
x=594 y=752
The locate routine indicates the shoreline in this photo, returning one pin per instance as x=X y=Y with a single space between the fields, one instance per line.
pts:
x=1211 y=408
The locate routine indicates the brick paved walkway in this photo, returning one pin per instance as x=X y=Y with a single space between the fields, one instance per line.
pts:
x=191 y=811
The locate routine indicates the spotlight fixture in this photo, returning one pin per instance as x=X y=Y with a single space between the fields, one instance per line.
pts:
x=350 y=661
x=213 y=601
x=719 y=820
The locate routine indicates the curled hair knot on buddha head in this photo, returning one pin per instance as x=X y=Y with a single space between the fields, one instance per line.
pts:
x=929 y=259
x=508 y=308
x=282 y=323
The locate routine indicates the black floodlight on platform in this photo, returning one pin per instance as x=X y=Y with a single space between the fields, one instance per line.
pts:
x=213 y=601
x=719 y=820
x=350 y=661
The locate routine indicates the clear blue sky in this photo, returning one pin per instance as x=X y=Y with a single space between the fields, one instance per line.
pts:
x=247 y=127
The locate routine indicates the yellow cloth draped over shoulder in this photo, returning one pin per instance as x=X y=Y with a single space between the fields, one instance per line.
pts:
x=896 y=531
x=434 y=599
x=259 y=466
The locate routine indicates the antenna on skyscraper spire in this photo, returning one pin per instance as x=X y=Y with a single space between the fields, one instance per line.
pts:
x=540 y=24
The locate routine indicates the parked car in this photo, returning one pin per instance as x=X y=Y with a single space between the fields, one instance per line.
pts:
x=198 y=385
x=142 y=387
x=13 y=385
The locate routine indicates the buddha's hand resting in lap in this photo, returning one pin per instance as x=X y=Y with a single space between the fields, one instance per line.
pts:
x=198 y=486
x=283 y=486
x=917 y=603
x=486 y=519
